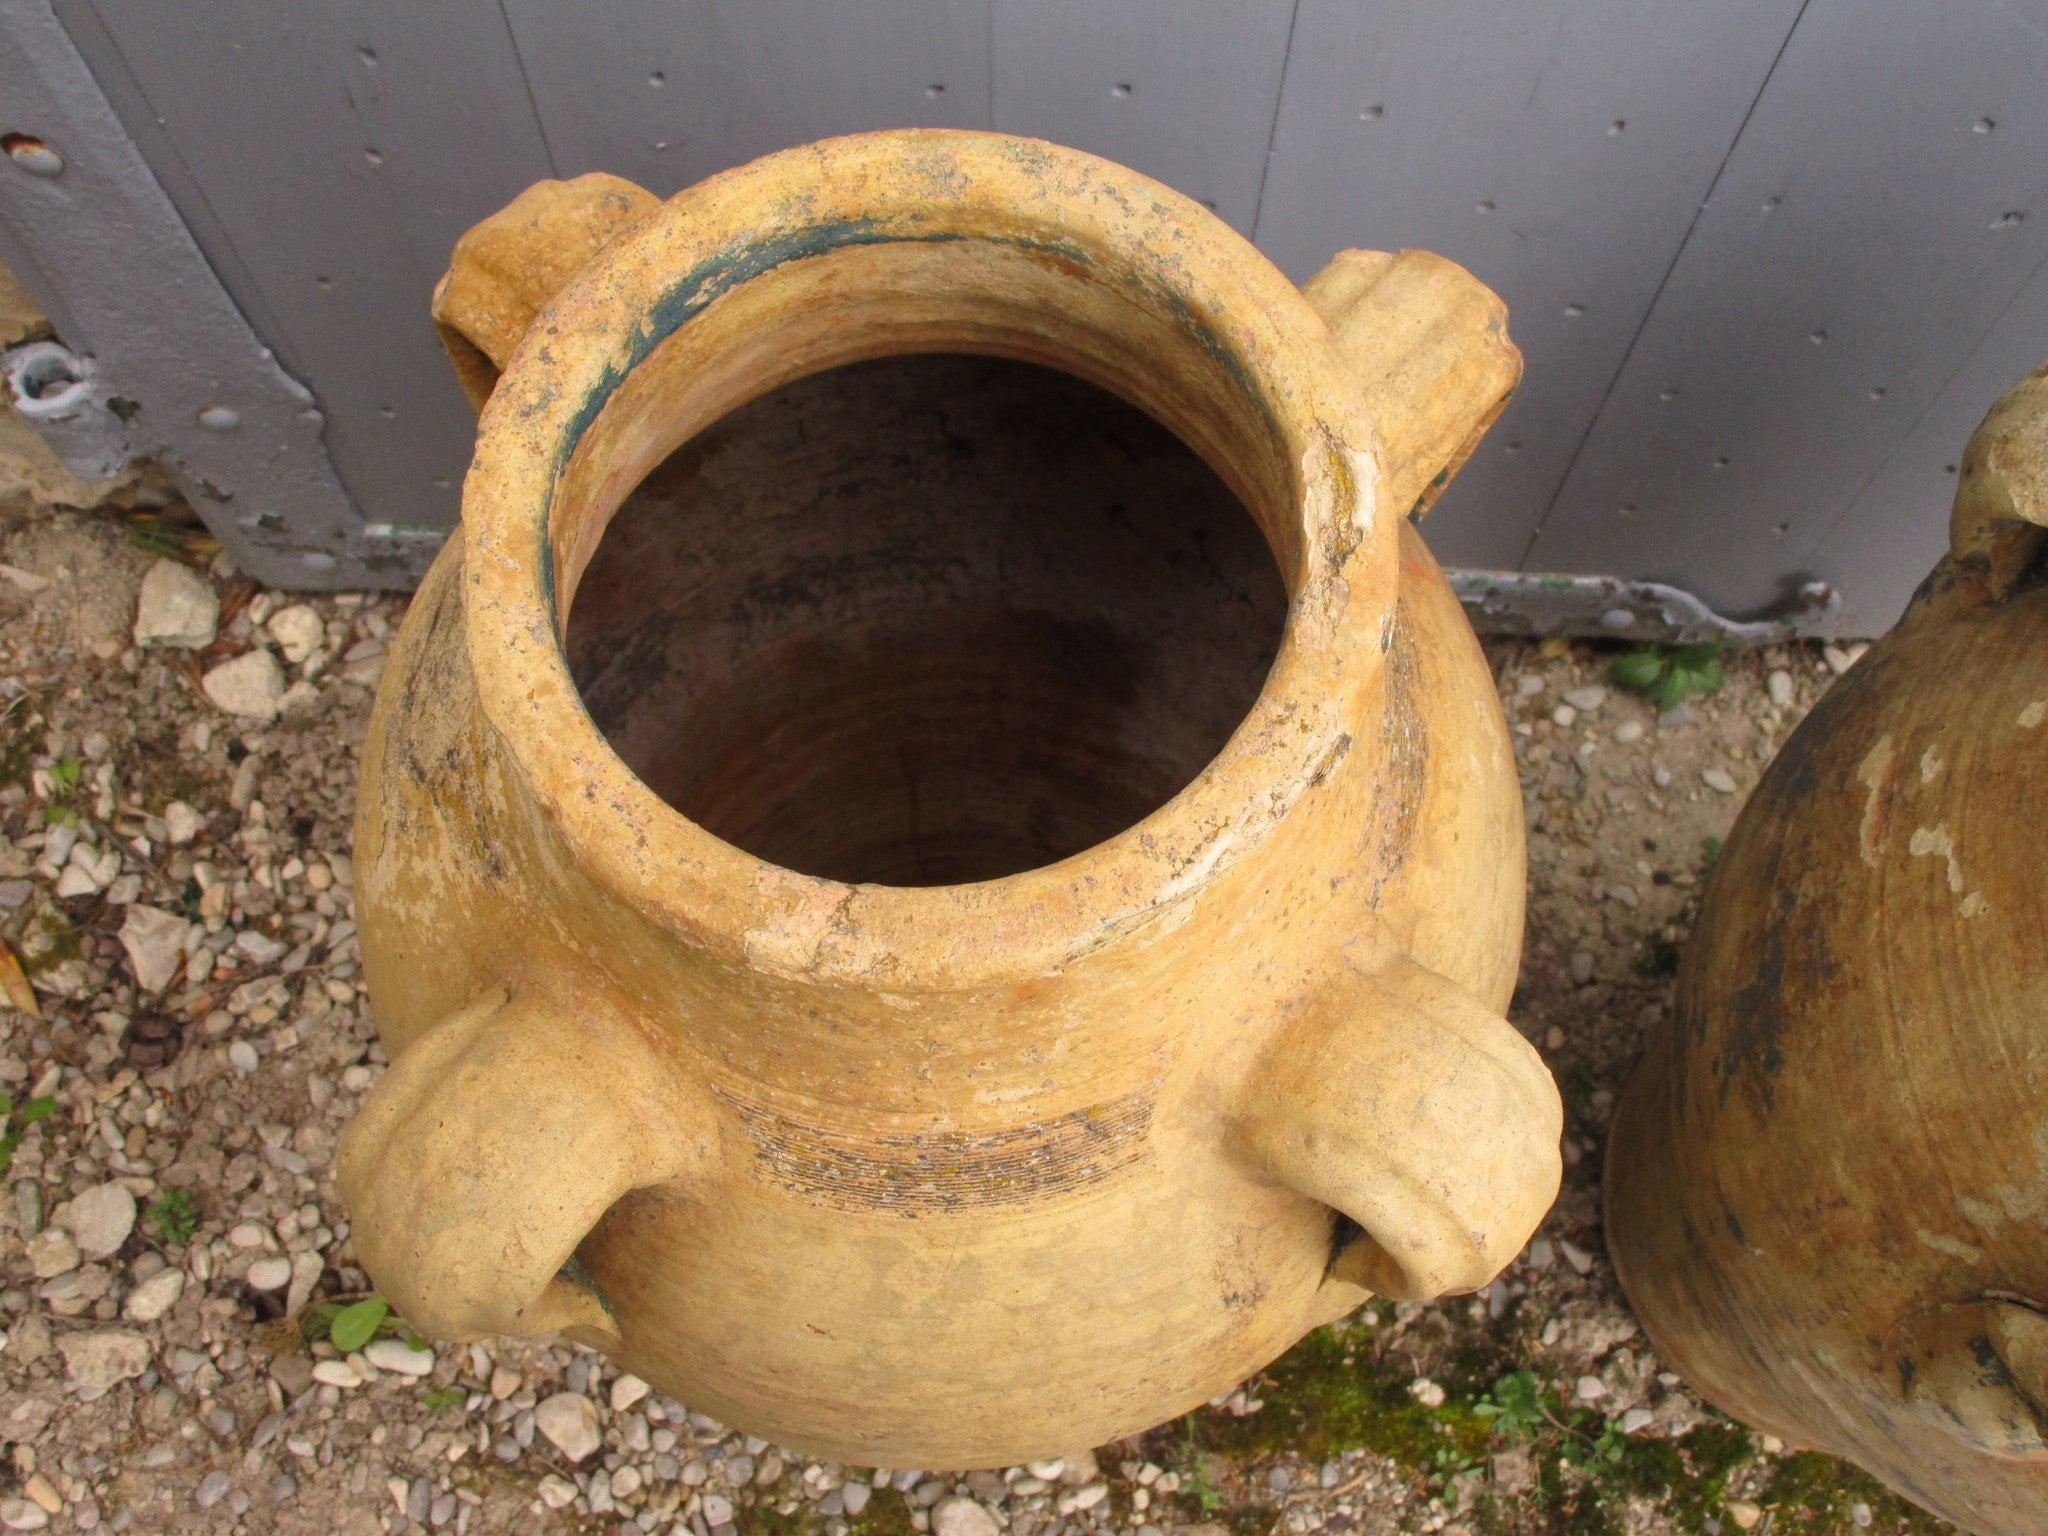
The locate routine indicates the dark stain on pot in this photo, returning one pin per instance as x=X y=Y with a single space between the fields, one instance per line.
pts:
x=926 y=1172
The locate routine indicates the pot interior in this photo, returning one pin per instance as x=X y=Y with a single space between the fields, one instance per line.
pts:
x=925 y=619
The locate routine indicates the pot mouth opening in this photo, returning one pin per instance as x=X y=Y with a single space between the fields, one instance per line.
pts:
x=941 y=252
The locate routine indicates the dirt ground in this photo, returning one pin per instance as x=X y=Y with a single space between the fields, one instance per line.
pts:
x=152 y=1379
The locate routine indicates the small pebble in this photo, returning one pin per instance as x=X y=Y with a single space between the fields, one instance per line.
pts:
x=1426 y=1392
x=242 y=1056
x=569 y=1420
x=1564 y=714
x=1589 y=1389
x=1743 y=1513
x=336 y=1373
x=1629 y=732
x=1718 y=779
x=627 y=1391
x=398 y=1357
x=211 y=1490
x=964 y=1517
x=1586 y=700
x=1779 y=686
x=270 y=1274
x=1528 y=685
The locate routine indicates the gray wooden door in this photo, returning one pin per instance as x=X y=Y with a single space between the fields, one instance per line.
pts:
x=1769 y=259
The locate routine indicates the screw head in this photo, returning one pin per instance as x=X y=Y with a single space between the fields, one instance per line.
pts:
x=220 y=418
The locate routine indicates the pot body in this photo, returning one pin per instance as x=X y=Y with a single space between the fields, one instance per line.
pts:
x=1827 y=1188
x=957 y=1174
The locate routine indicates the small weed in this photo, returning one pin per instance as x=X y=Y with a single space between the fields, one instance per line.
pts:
x=1515 y=1403
x=348 y=1325
x=64 y=773
x=443 y=1397
x=171 y=1216
x=1667 y=675
x=17 y=1122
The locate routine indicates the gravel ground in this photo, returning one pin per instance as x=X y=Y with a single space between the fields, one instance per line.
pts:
x=171 y=1228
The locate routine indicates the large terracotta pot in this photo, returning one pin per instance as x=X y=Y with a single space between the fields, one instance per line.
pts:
x=1827 y=1187
x=1069 y=1061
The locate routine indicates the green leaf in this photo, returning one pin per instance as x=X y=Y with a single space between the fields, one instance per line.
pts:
x=355 y=1326
x=65 y=772
x=38 y=1109
x=1696 y=657
x=6 y=1105
x=1639 y=670
x=443 y=1397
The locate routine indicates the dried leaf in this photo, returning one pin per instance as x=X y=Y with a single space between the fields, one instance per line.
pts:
x=19 y=993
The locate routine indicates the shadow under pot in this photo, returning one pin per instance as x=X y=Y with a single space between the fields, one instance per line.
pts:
x=1827 y=1186
x=938 y=865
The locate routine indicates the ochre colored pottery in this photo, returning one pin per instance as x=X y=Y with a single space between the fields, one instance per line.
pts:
x=1073 y=1060
x=1827 y=1187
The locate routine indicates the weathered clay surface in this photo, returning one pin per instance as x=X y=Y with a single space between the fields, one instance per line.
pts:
x=1828 y=1182
x=827 y=1150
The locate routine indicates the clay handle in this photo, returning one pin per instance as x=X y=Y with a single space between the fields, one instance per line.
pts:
x=1398 y=1101
x=504 y=270
x=1980 y=1371
x=1427 y=345
x=1995 y=531
x=489 y=1149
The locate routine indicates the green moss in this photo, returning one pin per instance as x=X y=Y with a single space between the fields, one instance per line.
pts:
x=887 y=1514
x=1812 y=1493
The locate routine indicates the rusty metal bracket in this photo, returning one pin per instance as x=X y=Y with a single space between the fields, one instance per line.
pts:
x=89 y=231
x=1612 y=608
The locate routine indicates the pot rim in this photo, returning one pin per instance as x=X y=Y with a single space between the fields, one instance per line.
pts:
x=929 y=186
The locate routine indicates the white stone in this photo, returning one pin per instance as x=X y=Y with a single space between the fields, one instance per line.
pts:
x=569 y=1420
x=336 y=1373
x=307 y=1268
x=556 y=1492
x=155 y=1296
x=96 y=1361
x=627 y=1391
x=1586 y=699
x=964 y=1517
x=1719 y=779
x=23 y=1515
x=298 y=631
x=1629 y=732
x=1637 y=1419
x=260 y=947
x=1047 y=1471
x=242 y=1056
x=1564 y=714
x=400 y=1358
x=51 y=1253
x=184 y=822
x=251 y=685
x=177 y=606
x=1589 y=1389
x=1580 y=1260
x=155 y=941
x=1426 y=1392
x=1779 y=686
x=625 y=1482
x=270 y=1274
x=855 y=1496
x=100 y=1219
x=1744 y=1513
x=717 y=1509
x=1528 y=685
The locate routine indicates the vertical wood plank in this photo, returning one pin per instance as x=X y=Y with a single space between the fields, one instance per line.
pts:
x=1182 y=90
x=1887 y=203
x=1558 y=149
x=340 y=150
x=667 y=92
